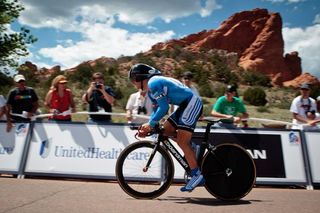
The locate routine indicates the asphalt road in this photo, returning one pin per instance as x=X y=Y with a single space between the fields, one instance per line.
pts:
x=55 y=196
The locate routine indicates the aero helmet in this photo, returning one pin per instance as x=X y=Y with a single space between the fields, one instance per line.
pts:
x=140 y=72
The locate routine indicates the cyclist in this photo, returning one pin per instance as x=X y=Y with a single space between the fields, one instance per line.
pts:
x=164 y=91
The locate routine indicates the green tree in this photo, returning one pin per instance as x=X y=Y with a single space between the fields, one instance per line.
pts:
x=13 y=45
x=255 y=96
x=5 y=84
x=82 y=75
x=253 y=78
x=221 y=71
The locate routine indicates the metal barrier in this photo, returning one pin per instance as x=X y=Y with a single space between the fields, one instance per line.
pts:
x=90 y=150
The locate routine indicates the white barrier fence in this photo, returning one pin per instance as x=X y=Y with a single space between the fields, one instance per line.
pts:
x=12 y=145
x=91 y=150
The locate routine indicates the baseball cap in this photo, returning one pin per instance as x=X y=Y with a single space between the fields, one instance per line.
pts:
x=231 y=88
x=18 y=78
x=187 y=74
x=304 y=86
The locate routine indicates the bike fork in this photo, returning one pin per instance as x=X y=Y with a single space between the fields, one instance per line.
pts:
x=145 y=169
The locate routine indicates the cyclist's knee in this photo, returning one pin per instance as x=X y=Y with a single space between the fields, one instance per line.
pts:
x=169 y=130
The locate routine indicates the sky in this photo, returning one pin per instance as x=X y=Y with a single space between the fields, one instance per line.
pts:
x=73 y=31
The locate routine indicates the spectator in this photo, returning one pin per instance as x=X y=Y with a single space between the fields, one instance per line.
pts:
x=318 y=107
x=187 y=80
x=228 y=107
x=100 y=98
x=303 y=109
x=21 y=100
x=3 y=109
x=59 y=99
x=138 y=103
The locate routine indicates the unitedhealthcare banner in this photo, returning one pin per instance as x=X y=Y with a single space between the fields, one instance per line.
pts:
x=77 y=149
x=83 y=149
x=11 y=146
x=313 y=146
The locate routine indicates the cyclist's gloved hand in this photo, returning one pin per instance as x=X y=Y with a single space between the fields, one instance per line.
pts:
x=144 y=130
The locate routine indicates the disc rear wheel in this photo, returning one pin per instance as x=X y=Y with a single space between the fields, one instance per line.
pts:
x=229 y=172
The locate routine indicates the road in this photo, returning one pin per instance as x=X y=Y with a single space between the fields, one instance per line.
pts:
x=59 y=196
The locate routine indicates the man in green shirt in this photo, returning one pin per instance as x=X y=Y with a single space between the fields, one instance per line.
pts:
x=228 y=107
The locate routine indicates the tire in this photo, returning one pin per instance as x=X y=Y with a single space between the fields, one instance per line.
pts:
x=232 y=159
x=137 y=183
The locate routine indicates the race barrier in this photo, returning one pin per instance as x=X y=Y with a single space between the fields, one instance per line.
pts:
x=90 y=150
x=12 y=146
x=312 y=139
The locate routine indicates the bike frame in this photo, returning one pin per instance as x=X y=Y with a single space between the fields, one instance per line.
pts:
x=176 y=154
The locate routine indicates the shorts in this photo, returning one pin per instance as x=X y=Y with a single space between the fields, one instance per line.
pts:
x=187 y=114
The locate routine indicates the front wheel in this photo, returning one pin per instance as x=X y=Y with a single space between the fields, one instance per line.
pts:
x=137 y=180
x=229 y=171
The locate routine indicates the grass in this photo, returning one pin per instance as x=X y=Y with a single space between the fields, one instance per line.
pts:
x=271 y=113
x=265 y=112
x=278 y=109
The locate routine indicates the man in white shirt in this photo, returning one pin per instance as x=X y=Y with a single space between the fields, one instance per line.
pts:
x=138 y=103
x=303 y=109
x=2 y=108
x=318 y=107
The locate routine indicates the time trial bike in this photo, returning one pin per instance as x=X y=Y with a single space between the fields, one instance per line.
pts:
x=145 y=169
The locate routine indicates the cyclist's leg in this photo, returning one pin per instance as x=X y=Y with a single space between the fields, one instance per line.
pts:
x=170 y=130
x=183 y=138
x=184 y=119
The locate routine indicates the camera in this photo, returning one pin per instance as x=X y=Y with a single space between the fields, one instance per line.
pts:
x=142 y=109
x=311 y=112
x=98 y=86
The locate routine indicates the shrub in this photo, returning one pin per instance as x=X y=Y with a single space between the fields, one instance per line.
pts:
x=6 y=83
x=220 y=70
x=256 y=79
x=206 y=91
x=255 y=96
x=82 y=75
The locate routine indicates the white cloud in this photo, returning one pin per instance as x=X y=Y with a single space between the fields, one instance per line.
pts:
x=95 y=21
x=307 y=43
x=210 y=5
x=289 y=1
x=103 y=40
x=317 y=19
x=60 y=13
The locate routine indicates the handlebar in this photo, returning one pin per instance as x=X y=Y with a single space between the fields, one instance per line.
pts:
x=158 y=129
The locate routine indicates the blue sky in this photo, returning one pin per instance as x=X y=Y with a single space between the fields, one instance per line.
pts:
x=74 y=31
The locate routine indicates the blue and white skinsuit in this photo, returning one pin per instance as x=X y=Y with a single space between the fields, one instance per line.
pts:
x=164 y=91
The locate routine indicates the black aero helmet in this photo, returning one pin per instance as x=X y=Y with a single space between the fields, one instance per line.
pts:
x=139 y=72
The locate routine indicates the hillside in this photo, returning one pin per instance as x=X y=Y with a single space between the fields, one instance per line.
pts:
x=246 y=50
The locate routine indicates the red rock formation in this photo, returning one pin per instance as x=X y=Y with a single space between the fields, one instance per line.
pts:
x=30 y=66
x=92 y=63
x=304 y=78
x=256 y=36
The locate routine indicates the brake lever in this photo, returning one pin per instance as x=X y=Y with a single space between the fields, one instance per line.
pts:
x=152 y=132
